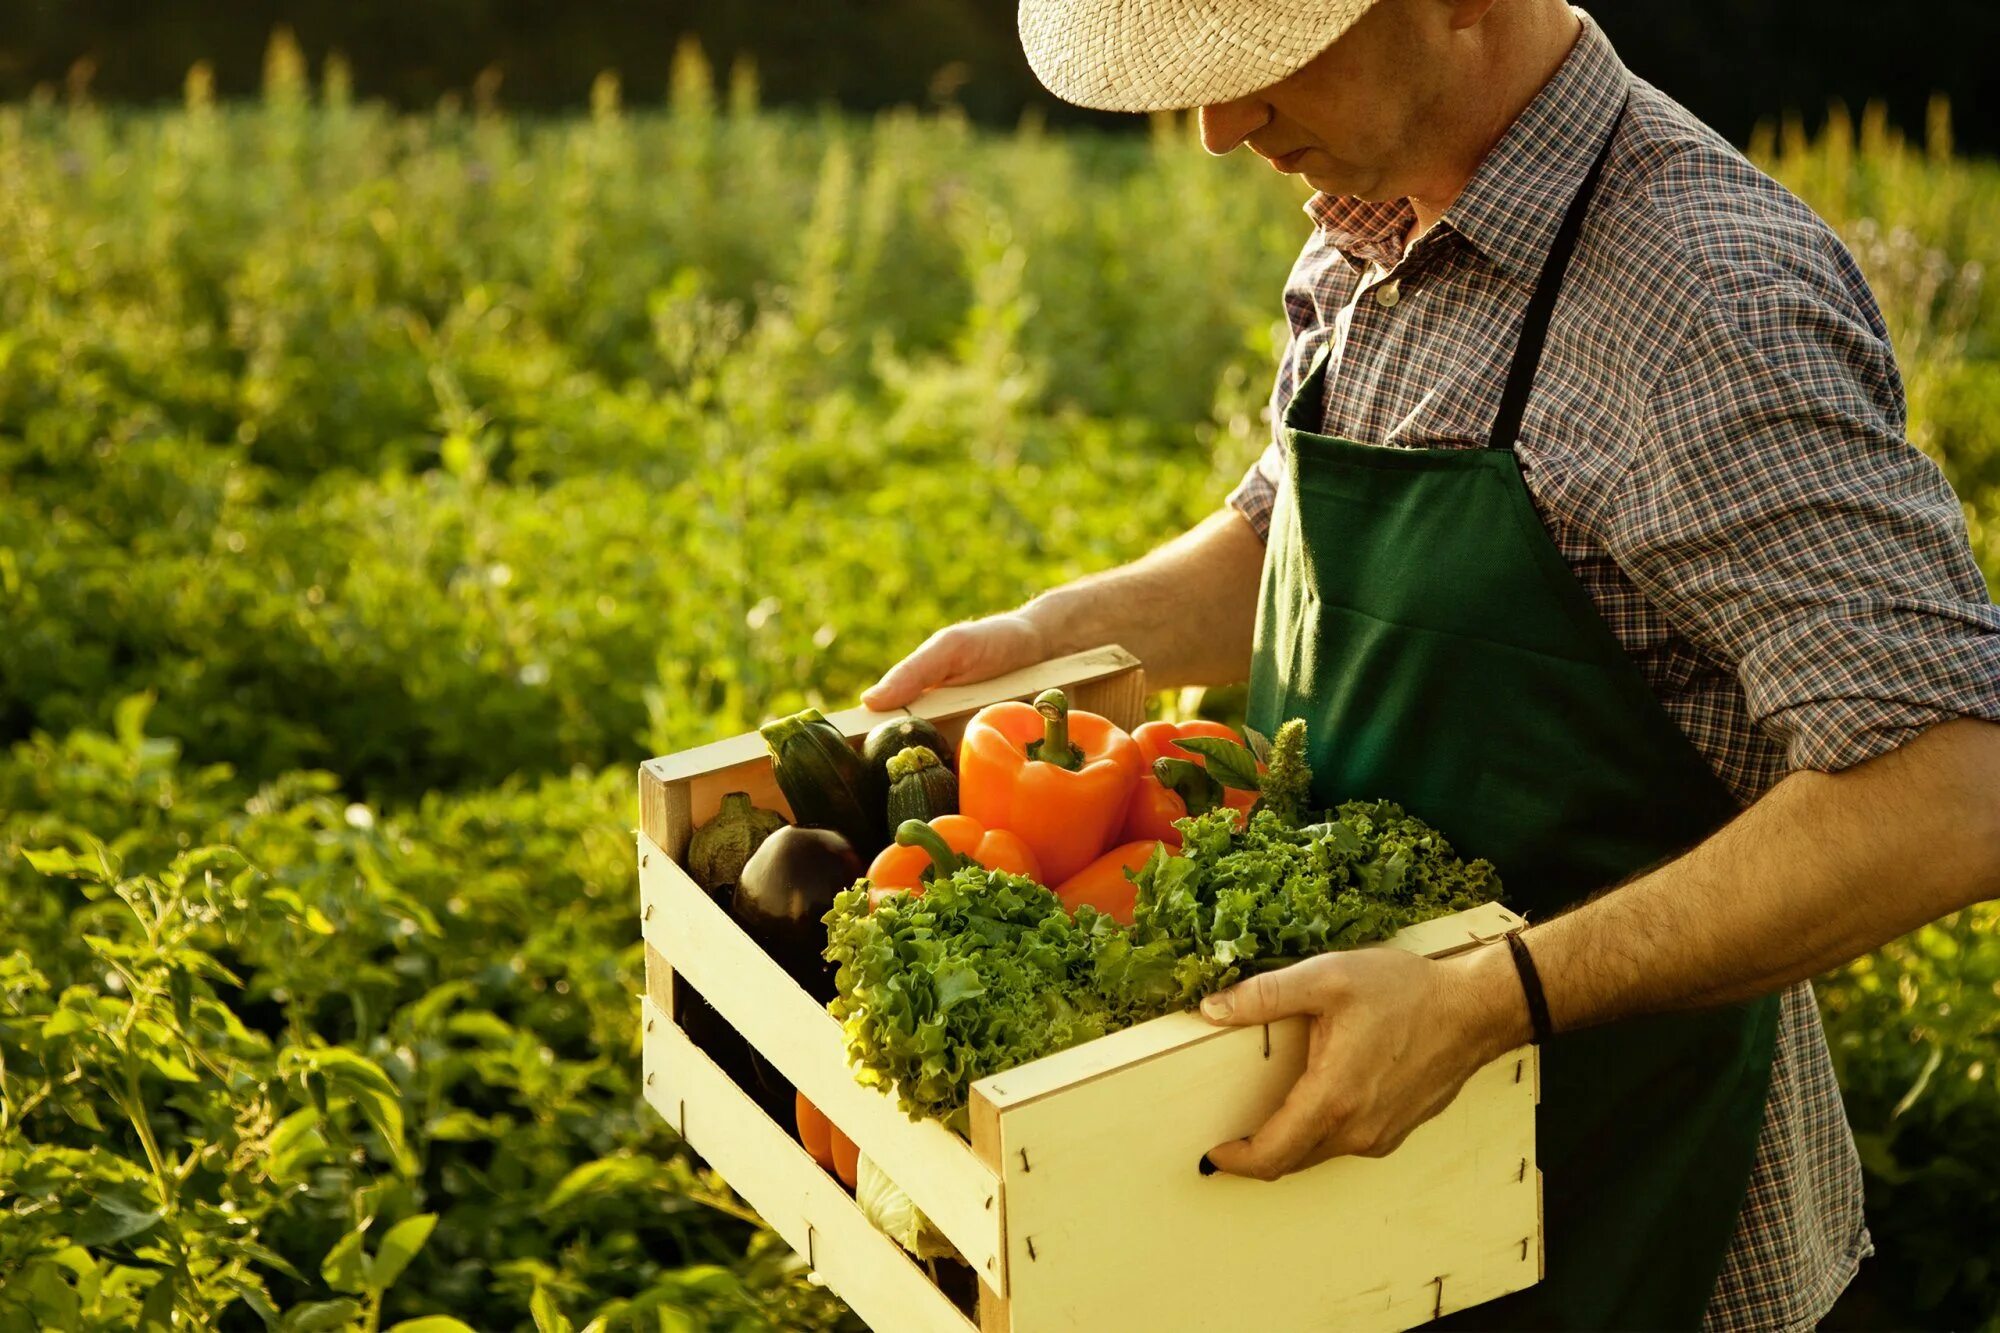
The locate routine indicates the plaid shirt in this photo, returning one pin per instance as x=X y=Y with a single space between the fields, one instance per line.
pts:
x=1715 y=442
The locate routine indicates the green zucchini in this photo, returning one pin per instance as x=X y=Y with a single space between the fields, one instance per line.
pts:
x=825 y=781
x=898 y=734
x=920 y=786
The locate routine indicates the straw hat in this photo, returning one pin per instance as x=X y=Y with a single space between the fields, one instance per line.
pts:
x=1165 y=55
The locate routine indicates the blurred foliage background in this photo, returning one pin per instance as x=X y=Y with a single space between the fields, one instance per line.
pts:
x=1732 y=61
x=377 y=488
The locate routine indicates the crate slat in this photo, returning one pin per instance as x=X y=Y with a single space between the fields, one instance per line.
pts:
x=789 y=1028
x=790 y=1191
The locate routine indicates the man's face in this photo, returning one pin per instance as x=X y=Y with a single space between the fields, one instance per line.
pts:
x=1349 y=121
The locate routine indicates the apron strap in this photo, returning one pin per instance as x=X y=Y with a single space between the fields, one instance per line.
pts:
x=1535 y=326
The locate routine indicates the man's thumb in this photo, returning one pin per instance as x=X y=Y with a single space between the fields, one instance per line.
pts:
x=1258 y=1000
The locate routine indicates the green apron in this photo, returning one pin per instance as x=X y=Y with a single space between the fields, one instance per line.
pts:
x=1416 y=613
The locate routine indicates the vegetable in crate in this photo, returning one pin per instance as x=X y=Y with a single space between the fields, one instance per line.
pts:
x=896 y=1215
x=825 y=781
x=987 y=970
x=923 y=852
x=720 y=848
x=1235 y=902
x=1185 y=787
x=1060 y=779
x=982 y=972
x=920 y=786
x=784 y=892
x=1106 y=883
x=891 y=738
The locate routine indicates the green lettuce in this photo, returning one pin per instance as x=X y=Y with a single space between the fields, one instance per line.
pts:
x=987 y=970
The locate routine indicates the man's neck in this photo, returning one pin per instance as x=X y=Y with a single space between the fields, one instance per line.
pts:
x=1520 y=70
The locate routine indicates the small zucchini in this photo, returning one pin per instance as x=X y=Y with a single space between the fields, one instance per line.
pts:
x=920 y=786
x=898 y=734
x=825 y=781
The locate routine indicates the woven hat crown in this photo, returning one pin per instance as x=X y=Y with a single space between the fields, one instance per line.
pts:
x=1165 y=55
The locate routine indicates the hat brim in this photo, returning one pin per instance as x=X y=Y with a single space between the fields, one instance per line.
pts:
x=1169 y=55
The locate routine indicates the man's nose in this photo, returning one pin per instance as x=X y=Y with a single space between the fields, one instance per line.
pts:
x=1227 y=124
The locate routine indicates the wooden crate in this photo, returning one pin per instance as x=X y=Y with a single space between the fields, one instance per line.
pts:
x=1078 y=1201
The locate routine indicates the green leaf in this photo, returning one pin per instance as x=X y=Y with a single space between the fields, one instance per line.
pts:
x=1260 y=744
x=322 y=1317
x=398 y=1247
x=50 y=1295
x=345 y=1267
x=252 y=1294
x=606 y=1175
x=113 y=1217
x=1228 y=763
x=63 y=1022
x=171 y=1066
x=128 y=718
x=59 y=861
x=373 y=1094
x=271 y=1259
x=548 y=1318
x=460 y=1126
x=432 y=1323
x=158 y=1309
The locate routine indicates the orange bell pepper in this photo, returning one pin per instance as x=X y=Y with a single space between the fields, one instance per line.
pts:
x=939 y=848
x=846 y=1160
x=1061 y=780
x=815 y=1130
x=1155 y=806
x=1104 y=884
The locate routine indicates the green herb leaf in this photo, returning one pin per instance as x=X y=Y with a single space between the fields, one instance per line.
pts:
x=1228 y=763
x=398 y=1247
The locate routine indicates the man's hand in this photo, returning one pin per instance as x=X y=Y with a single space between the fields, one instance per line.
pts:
x=1393 y=1037
x=1187 y=610
x=960 y=654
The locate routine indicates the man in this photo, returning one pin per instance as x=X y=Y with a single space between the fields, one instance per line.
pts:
x=1589 y=533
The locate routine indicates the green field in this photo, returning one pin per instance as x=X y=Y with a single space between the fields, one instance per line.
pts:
x=376 y=491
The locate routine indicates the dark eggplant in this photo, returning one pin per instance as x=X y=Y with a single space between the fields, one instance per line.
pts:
x=785 y=889
x=713 y=1036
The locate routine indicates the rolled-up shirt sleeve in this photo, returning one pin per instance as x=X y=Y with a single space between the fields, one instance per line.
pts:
x=1258 y=491
x=1781 y=520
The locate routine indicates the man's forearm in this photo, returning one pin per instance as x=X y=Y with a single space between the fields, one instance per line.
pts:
x=1188 y=609
x=1823 y=869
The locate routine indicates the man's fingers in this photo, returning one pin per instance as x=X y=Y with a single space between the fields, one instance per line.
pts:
x=960 y=654
x=930 y=663
x=1308 y=1116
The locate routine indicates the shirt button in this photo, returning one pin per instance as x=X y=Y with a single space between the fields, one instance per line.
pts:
x=1387 y=295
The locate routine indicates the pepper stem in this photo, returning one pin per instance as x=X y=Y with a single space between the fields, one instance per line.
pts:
x=1195 y=785
x=1054 y=747
x=944 y=861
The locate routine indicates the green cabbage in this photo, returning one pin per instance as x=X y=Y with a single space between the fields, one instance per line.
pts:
x=895 y=1216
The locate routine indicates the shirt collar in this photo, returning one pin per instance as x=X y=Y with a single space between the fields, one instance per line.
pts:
x=1510 y=209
